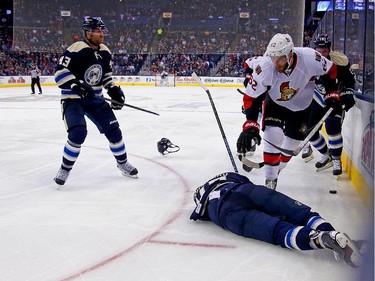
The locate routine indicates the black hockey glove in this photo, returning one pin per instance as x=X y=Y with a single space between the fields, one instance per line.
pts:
x=250 y=131
x=332 y=99
x=117 y=95
x=347 y=99
x=248 y=72
x=82 y=89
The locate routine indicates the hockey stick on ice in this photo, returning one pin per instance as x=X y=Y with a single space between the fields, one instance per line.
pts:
x=296 y=151
x=128 y=105
x=199 y=81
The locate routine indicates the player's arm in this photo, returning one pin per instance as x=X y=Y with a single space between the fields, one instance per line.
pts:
x=252 y=103
x=346 y=79
x=107 y=71
x=115 y=92
x=346 y=86
x=327 y=81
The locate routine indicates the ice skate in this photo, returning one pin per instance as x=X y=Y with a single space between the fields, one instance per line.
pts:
x=343 y=247
x=271 y=184
x=324 y=163
x=337 y=167
x=307 y=153
x=62 y=176
x=128 y=169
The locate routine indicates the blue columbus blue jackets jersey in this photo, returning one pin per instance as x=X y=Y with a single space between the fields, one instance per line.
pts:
x=80 y=62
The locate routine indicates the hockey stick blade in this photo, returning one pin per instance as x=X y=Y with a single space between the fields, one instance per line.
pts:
x=250 y=163
x=242 y=93
x=128 y=105
x=296 y=151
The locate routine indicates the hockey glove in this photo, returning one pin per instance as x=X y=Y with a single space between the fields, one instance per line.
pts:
x=332 y=99
x=250 y=131
x=347 y=99
x=248 y=72
x=82 y=89
x=117 y=95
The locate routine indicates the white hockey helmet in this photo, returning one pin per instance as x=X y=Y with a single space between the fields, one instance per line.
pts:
x=280 y=45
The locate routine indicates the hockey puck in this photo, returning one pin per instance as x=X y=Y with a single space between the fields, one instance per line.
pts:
x=333 y=191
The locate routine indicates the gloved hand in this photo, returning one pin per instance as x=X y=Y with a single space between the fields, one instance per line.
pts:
x=248 y=72
x=347 y=99
x=82 y=89
x=332 y=99
x=116 y=94
x=250 y=131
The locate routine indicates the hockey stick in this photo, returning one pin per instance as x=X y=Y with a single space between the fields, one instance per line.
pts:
x=199 y=81
x=247 y=162
x=302 y=144
x=128 y=105
x=242 y=93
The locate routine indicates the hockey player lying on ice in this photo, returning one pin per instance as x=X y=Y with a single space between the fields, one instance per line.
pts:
x=233 y=202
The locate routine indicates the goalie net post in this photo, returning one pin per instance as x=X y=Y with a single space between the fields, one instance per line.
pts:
x=169 y=81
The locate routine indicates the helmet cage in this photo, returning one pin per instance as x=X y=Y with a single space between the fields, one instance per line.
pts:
x=165 y=146
x=322 y=41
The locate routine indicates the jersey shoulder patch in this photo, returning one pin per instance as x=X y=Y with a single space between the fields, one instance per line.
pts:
x=77 y=46
x=104 y=48
x=339 y=58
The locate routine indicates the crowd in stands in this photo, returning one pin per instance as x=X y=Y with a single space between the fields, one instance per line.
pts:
x=41 y=33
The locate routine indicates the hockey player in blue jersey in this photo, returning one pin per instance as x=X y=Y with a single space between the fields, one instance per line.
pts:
x=331 y=154
x=234 y=203
x=83 y=70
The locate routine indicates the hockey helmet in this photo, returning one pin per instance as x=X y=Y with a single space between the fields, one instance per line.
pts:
x=280 y=45
x=91 y=23
x=322 y=41
x=165 y=146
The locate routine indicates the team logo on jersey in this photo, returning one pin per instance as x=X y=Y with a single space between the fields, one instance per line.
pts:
x=286 y=92
x=93 y=74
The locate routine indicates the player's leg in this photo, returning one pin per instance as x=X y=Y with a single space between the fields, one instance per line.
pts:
x=273 y=122
x=295 y=132
x=279 y=205
x=73 y=116
x=318 y=141
x=335 y=141
x=104 y=118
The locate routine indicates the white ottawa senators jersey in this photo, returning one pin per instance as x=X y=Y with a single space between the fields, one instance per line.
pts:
x=294 y=90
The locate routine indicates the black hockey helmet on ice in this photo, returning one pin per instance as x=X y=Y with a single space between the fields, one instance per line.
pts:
x=165 y=146
x=322 y=41
x=91 y=23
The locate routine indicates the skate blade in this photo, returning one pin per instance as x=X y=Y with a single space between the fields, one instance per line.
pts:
x=308 y=158
x=329 y=165
x=352 y=256
x=130 y=176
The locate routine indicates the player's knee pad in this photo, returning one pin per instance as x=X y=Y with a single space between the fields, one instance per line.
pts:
x=77 y=134
x=274 y=135
x=114 y=135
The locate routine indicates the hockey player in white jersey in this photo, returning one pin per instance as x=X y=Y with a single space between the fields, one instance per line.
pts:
x=284 y=78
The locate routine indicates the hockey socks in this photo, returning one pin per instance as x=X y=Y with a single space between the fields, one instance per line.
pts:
x=318 y=223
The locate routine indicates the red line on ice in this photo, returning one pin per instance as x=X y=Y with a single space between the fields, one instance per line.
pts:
x=145 y=239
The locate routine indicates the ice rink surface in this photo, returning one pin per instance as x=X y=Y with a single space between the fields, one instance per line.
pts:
x=103 y=226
